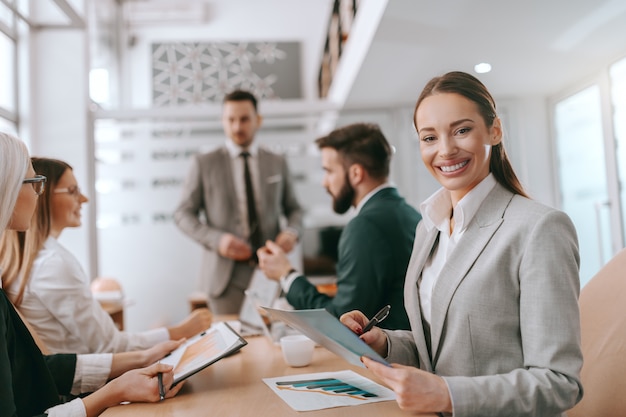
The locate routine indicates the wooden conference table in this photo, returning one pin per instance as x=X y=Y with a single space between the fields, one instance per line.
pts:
x=233 y=386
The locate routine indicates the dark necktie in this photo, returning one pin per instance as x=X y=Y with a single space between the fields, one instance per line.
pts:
x=253 y=221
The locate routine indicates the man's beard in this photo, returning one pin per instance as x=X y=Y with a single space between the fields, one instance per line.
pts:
x=343 y=200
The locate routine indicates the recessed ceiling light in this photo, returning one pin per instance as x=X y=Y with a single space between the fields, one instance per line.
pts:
x=482 y=68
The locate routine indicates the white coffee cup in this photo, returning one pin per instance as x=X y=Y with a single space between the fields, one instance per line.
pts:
x=297 y=349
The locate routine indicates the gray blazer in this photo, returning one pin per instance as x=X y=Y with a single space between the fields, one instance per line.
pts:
x=505 y=330
x=208 y=208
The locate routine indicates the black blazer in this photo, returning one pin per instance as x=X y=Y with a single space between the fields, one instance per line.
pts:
x=30 y=382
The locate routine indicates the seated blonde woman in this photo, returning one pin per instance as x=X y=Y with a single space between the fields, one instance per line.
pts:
x=31 y=383
x=50 y=288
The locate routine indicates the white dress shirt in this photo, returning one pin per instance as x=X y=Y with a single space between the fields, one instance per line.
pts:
x=58 y=303
x=436 y=212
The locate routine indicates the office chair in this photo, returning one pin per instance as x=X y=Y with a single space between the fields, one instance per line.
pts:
x=603 y=326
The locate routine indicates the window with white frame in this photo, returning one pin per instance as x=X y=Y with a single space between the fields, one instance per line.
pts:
x=618 y=100
x=583 y=183
x=591 y=154
x=7 y=73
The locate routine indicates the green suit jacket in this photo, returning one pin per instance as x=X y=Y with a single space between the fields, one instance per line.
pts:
x=373 y=255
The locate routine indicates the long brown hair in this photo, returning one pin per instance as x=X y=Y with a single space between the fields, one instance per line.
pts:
x=18 y=250
x=471 y=88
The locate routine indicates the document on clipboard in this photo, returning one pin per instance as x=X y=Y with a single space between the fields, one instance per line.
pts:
x=326 y=330
x=203 y=349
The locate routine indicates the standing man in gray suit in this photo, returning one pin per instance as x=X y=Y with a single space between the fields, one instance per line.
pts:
x=232 y=201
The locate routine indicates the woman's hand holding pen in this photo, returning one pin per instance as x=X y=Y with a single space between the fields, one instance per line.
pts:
x=138 y=385
x=375 y=338
x=416 y=390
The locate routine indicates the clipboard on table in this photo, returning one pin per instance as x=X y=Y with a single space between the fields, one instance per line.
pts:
x=202 y=350
x=326 y=330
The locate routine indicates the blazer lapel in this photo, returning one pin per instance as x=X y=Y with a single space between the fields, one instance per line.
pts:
x=420 y=254
x=486 y=222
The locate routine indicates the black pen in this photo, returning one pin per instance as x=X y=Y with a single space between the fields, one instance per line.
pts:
x=161 y=387
x=380 y=316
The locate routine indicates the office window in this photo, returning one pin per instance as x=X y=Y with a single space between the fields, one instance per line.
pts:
x=7 y=73
x=618 y=99
x=7 y=126
x=581 y=162
x=6 y=16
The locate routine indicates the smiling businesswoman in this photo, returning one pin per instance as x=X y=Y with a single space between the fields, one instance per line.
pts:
x=50 y=288
x=30 y=383
x=492 y=288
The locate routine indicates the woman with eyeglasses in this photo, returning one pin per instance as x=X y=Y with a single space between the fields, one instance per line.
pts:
x=51 y=290
x=31 y=383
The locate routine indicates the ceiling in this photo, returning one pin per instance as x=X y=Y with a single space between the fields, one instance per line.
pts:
x=536 y=47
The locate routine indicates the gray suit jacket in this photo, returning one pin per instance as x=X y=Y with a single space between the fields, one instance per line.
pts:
x=208 y=208
x=505 y=330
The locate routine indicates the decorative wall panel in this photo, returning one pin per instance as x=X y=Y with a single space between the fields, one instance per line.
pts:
x=200 y=72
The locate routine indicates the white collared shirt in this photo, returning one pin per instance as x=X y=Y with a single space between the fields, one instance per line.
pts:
x=436 y=214
x=238 y=178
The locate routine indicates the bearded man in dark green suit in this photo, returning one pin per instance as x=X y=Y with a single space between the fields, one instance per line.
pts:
x=374 y=247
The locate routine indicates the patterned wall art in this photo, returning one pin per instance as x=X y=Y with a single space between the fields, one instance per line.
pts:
x=200 y=72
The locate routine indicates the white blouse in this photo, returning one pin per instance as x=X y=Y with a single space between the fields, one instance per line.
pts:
x=58 y=303
x=436 y=212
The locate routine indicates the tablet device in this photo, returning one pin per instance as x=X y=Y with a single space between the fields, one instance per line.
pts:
x=202 y=350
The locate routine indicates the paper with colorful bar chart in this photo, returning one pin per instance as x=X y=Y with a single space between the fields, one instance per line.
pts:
x=321 y=390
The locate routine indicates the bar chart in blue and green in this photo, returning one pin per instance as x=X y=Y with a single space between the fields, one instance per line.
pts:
x=327 y=390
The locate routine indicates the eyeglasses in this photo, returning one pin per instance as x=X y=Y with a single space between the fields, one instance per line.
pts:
x=38 y=182
x=74 y=191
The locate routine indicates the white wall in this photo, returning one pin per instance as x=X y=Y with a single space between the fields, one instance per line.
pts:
x=59 y=114
x=529 y=145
